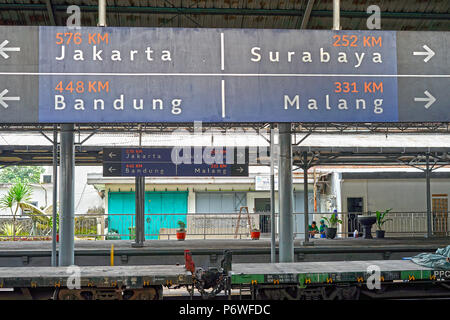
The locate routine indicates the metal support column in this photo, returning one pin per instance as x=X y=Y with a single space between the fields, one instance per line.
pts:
x=55 y=195
x=140 y=206
x=140 y=212
x=286 y=194
x=336 y=15
x=66 y=196
x=272 y=198
x=427 y=176
x=305 y=196
x=101 y=13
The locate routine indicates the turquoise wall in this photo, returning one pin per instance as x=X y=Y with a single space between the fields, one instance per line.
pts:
x=171 y=206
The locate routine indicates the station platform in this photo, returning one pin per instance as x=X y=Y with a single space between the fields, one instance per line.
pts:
x=209 y=252
x=211 y=244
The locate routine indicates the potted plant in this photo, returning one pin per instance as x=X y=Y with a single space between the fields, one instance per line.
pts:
x=255 y=233
x=181 y=232
x=331 y=229
x=381 y=220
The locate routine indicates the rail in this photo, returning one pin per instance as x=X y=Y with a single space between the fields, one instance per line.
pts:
x=211 y=225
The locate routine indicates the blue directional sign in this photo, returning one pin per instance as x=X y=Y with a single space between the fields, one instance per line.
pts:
x=112 y=75
x=154 y=162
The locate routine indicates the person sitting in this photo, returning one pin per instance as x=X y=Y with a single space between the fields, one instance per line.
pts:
x=312 y=229
x=322 y=229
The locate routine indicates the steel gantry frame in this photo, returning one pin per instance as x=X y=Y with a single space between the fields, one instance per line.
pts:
x=297 y=127
x=425 y=159
x=226 y=11
x=305 y=157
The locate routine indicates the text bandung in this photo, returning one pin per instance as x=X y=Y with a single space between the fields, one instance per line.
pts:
x=119 y=104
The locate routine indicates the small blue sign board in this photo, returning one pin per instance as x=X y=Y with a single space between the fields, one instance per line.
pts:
x=158 y=162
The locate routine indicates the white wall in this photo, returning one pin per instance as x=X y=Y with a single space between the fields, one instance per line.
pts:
x=400 y=195
x=85 y=195
x=403 y=195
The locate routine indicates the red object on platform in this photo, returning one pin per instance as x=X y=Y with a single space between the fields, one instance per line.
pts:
x=181 y=235
x=255 y=235
x=188 y=262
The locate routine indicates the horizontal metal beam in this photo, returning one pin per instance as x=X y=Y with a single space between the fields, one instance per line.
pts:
x=316 y=128
x=229 y=11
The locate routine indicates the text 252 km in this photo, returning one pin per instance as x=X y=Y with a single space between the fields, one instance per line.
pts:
x=351 y=40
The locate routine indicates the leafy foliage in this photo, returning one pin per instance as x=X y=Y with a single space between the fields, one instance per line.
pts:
x=19 y=192
x=23 y=174
x=333 y=220
x=50 y=224
x=7 y=201
x=8 y=229
x=182 y=225
x=381 y=218
x=85 y=225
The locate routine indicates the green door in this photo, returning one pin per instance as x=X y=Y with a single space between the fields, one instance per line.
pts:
x=162 y=211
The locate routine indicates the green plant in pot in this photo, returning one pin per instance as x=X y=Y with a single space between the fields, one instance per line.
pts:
x=381 y=220
x=332 y=222
x=181 y=232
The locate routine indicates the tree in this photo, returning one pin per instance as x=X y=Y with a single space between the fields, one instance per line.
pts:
x=19 y=192
x=23 y=174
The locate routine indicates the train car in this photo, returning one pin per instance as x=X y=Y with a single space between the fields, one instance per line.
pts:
x=91 y=282
x=342 y=280
x=346 y=280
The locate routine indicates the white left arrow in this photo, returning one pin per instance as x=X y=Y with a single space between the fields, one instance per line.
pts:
x=429 y=99
x=111 y=169
x=3 y=49
x=428 y=53
x=3 y=98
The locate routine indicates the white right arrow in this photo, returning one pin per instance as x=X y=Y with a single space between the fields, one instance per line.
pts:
x=428 y=53
x=3 y=49
x=3 y=98
x=430 y=99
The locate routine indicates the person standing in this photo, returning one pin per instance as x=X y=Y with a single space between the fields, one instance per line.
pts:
x=322 y=229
